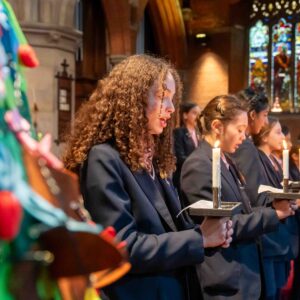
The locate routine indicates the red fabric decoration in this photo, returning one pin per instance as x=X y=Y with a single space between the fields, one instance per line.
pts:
x=108 y=232
x=27 y=56
x=10 y=215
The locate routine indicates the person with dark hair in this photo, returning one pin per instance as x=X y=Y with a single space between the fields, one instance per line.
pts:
x=294 y=164
x=186 y=137
x=287 y=137
x=246 y=157
x=280 y=246
x=232 y=273
x=269 y=139
x=121 y=147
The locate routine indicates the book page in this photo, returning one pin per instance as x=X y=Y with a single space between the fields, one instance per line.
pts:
x=197 y=205
x=266 y=188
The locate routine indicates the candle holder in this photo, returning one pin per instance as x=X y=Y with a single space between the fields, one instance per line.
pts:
x=219 y=209
x=289 y=195
x=215 y=208
x=294 y=186
x=216 y=197
x=285 y=185
x=226 y=209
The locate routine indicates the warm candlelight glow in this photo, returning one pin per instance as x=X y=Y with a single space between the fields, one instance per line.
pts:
x=217 y=144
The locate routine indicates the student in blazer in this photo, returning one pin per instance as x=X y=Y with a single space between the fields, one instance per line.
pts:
x=294 y=164
x=246 y=157
x=186 y=137
x=235 y=272
x=280 y=246
x=122 y=147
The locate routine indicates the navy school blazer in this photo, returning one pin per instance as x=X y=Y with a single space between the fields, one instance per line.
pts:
x=246 y=158
x=183 y=147
x=294 y=171
x=281 y=244
x=233 y=272
x=129 y=201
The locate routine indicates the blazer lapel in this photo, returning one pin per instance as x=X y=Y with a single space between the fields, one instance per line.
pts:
x=241 y=186
x=226 y=175
x=270 y=170
x=155 y=197
x=189 y=143
x=174 y=202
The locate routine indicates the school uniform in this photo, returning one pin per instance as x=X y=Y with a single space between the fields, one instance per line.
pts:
x=280 y=246
x=247 y=160
x=162 y=249
x=294 y=171
x=184 y=145
x=232 y=273
x=295 y=176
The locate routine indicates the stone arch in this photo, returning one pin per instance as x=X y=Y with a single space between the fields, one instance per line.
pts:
x=167 y=21
x=123 y=18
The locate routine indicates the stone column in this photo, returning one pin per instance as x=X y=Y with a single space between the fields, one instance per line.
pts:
x=49 y=28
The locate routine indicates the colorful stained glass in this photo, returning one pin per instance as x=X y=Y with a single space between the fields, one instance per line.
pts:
x=297 y=68
x=258 y=54
x=282 y=66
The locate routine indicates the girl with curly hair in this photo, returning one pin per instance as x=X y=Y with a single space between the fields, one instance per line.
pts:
x=121 y=147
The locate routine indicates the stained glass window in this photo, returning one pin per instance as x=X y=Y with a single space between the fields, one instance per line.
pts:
x=274 y=65
x=273 y=8
x=258 y=54
x=282 y=66
x=297 y=68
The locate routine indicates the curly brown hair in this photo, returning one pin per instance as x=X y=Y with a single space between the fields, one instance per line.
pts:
x=117 y=110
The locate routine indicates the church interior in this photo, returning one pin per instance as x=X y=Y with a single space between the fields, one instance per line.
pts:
x=209 y=42
x=218 y=47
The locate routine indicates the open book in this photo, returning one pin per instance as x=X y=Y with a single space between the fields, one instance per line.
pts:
x=266 y=188
x=198 y=205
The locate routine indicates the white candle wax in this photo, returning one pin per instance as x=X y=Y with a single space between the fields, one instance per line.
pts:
x=285 y=163
x=216 y=163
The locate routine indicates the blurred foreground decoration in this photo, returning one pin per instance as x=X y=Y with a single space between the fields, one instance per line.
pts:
x=49 y=247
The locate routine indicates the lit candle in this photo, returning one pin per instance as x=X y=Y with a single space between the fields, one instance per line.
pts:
x=285 y=161
x=216 y=163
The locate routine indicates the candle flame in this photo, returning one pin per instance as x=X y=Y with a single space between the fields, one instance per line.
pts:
x=217 y=144
x=284 y=144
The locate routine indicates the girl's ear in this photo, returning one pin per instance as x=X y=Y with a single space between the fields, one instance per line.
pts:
x=217 y=127
x=265 y=139
x=252 y=115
